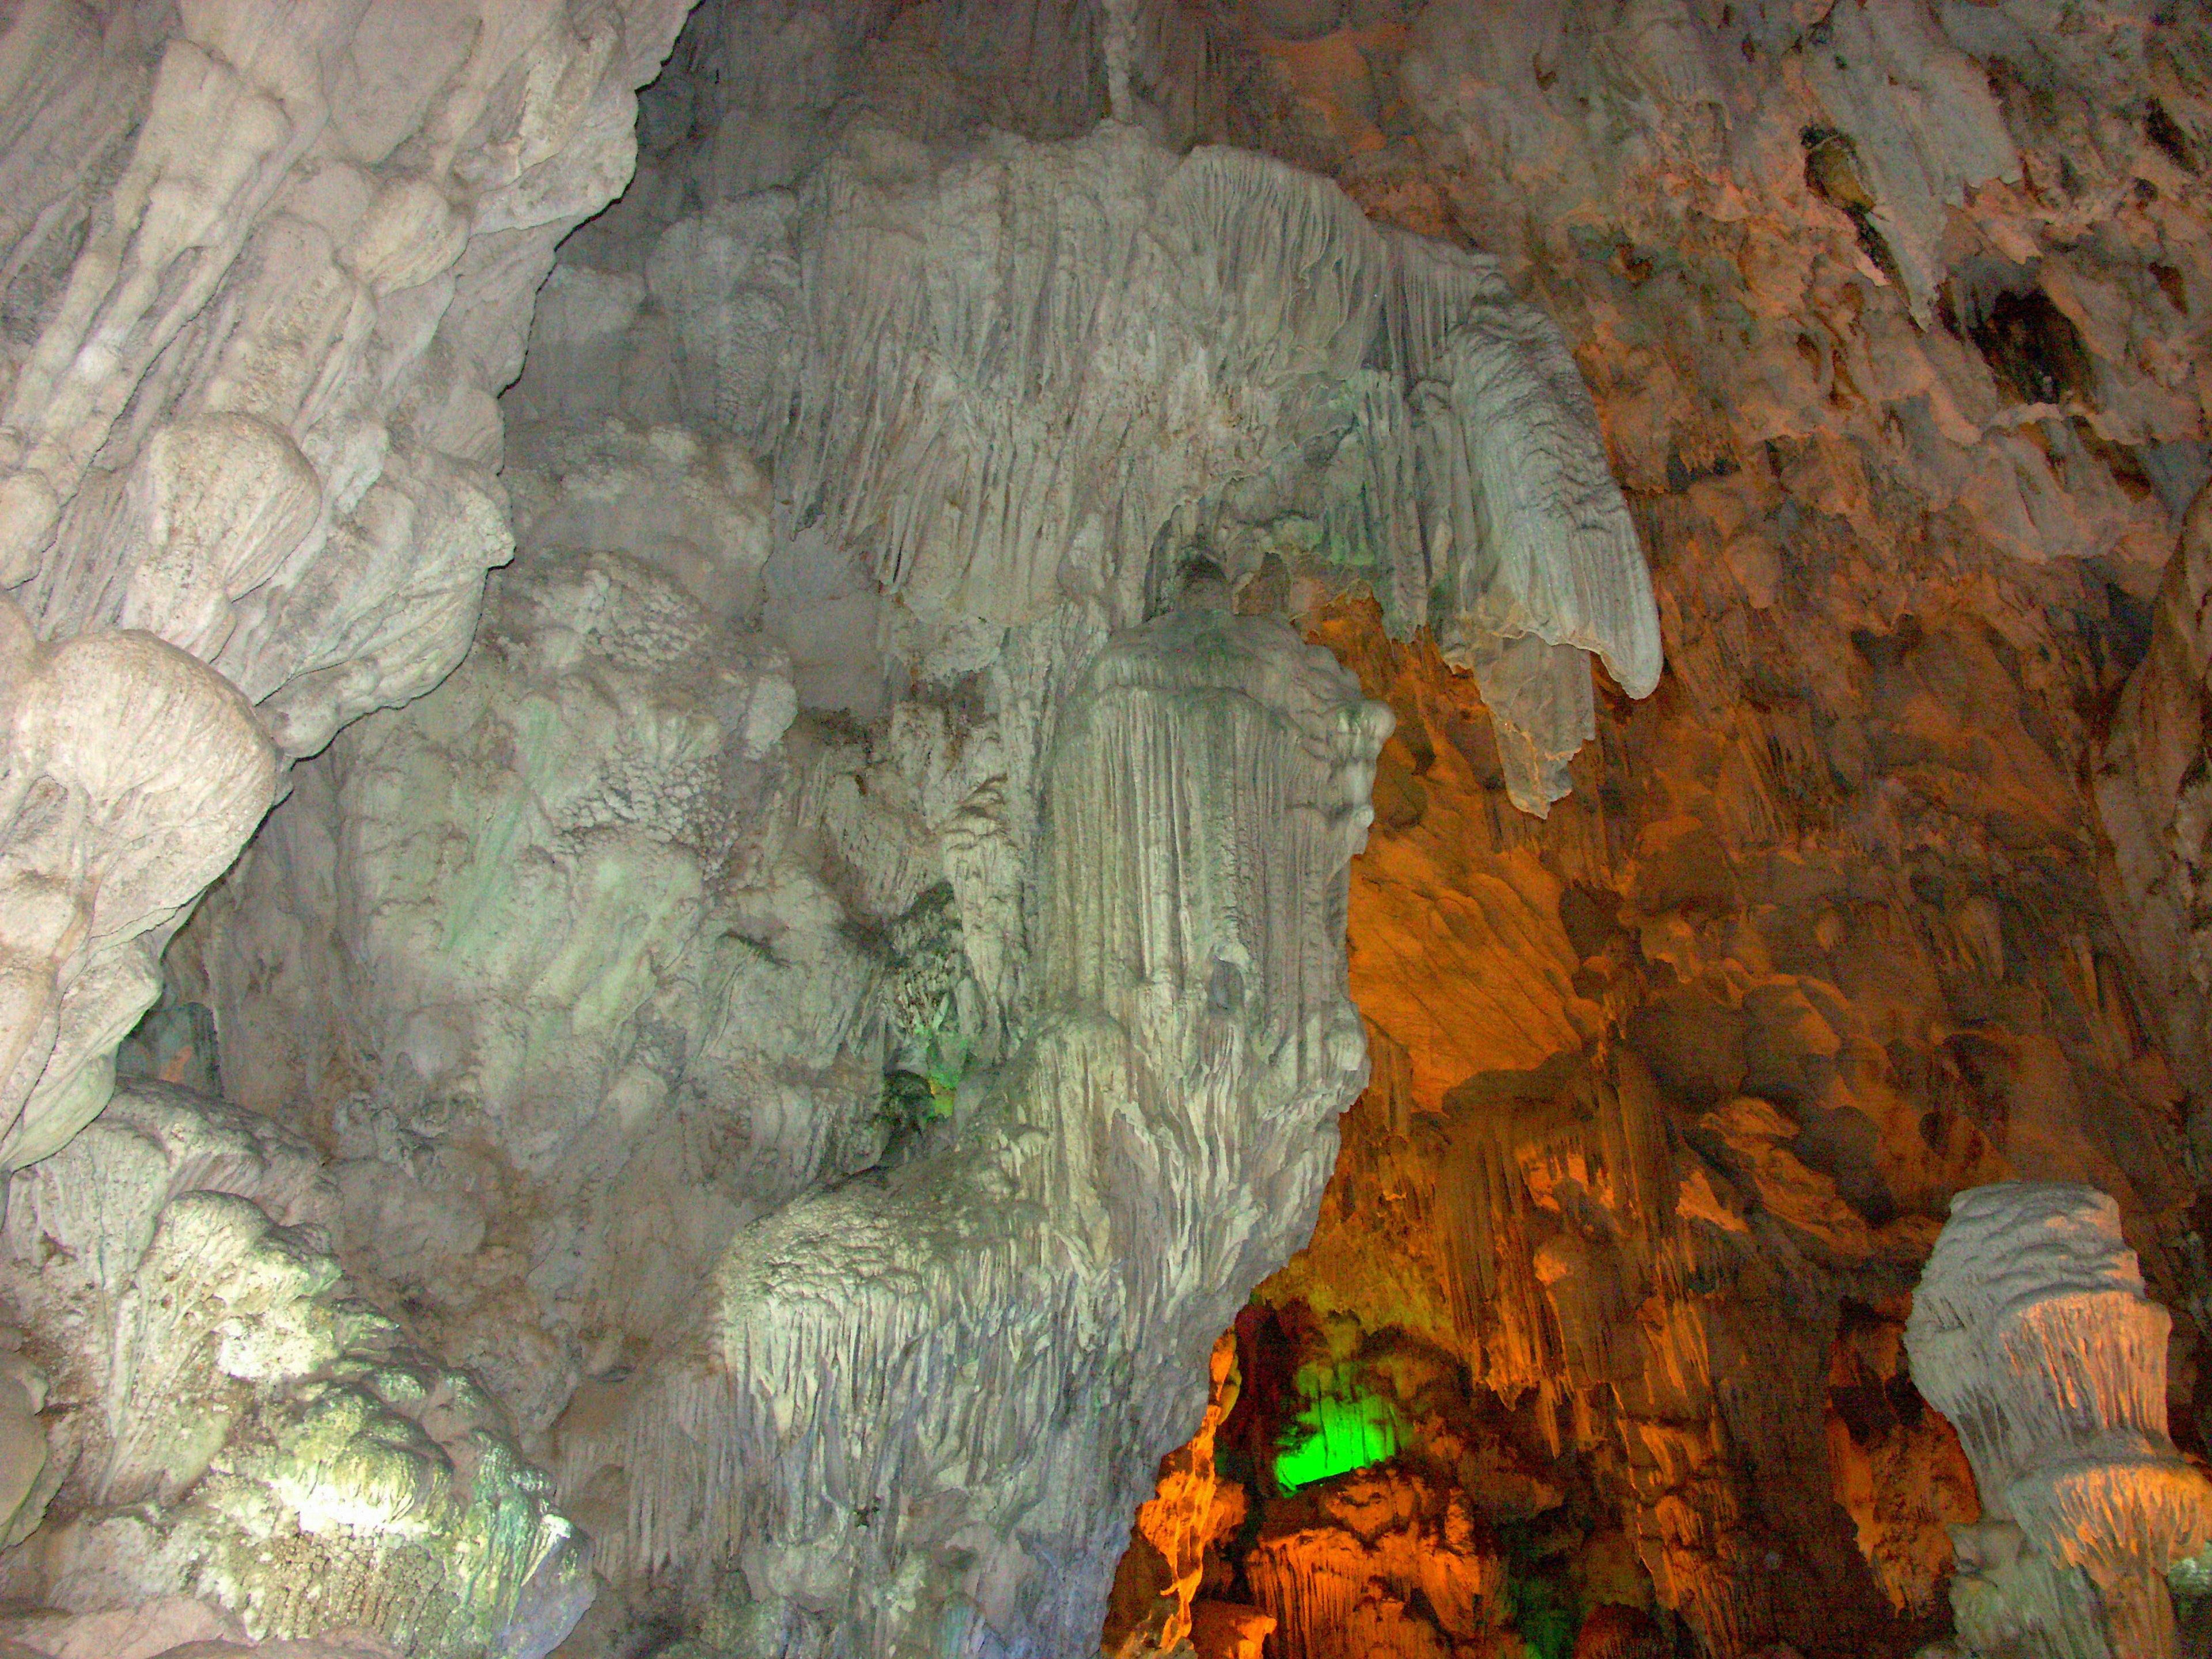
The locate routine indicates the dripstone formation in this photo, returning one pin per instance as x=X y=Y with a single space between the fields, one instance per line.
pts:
x=733 y=737
x=2030 y=1331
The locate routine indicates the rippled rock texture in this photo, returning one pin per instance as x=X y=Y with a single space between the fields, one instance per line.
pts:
x=802 y=1007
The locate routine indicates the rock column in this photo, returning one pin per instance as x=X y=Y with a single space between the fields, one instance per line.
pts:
x=2031 y=1332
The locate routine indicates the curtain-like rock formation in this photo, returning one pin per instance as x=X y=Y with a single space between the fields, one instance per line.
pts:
x=692 y=957
x=1036 y=1285
x=2030 y=1331
x=1339 y=1570
x=1892 y=315
x=999 y=380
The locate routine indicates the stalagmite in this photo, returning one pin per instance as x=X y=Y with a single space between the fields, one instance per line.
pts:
x=2031 y=1332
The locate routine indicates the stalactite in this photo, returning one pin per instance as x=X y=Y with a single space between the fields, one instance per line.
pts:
x=1060 y=349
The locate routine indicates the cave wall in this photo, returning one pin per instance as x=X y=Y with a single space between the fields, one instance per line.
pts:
x=1884 y=893
x=251 y=416
x=713 y=1083
x=717 y=889
x=267 y=271
x=813 y=921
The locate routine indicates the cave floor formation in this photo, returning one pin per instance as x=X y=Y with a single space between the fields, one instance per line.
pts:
x=1194 y=828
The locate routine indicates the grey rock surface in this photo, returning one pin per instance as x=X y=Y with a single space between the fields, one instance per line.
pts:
x=131 y=775
x=264 y=271
x=1039 y=1283
x=2031 y=1332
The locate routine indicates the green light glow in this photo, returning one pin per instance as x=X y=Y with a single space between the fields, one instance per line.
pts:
x=1347 y=1434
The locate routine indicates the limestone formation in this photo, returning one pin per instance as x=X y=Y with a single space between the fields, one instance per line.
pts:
x=2031 y=1332
x=1096 y=1213
x=130 y=774
x=1174 y=1548
x=1817 y=893
x=250 y=409
x=543 y=924
x=248 y=416
x=1338 y=1572
x=802 y=1004
x=169 y=1627
x=231 y=1427
x=959 y=370
x=2151 y=792
x=264 y=272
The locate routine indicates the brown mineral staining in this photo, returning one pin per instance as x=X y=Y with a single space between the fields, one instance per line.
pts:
x=810 y=999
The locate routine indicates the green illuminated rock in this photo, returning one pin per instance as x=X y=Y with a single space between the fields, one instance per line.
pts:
x=1347 y=1434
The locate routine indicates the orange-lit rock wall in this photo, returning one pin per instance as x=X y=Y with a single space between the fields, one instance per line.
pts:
x=1671 y=1092
x=1894 y=320
x=1179 y=1533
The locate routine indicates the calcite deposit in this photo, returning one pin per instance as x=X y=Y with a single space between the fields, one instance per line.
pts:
x=245 y=1434
x=1885 y=893
x=733 y=735
x=265 y=270
x=2031 y=1331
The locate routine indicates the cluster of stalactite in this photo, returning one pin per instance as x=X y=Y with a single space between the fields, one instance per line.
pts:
x=1599 y=1234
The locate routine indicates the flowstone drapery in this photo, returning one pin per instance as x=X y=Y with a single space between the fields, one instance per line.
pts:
x=2031 y=1332
x=737 y=810
x=1021 y=376
x=1038 y=1285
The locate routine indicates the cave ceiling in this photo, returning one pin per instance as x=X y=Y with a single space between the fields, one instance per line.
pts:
x=836 y=829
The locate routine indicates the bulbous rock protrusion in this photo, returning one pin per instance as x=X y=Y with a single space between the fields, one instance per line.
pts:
x=2031 y=1333
x=130 y=775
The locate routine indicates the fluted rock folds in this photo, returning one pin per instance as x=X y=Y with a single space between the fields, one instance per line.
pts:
x=1012 y=379
x=2031 y=1332
x=1036 y=1285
